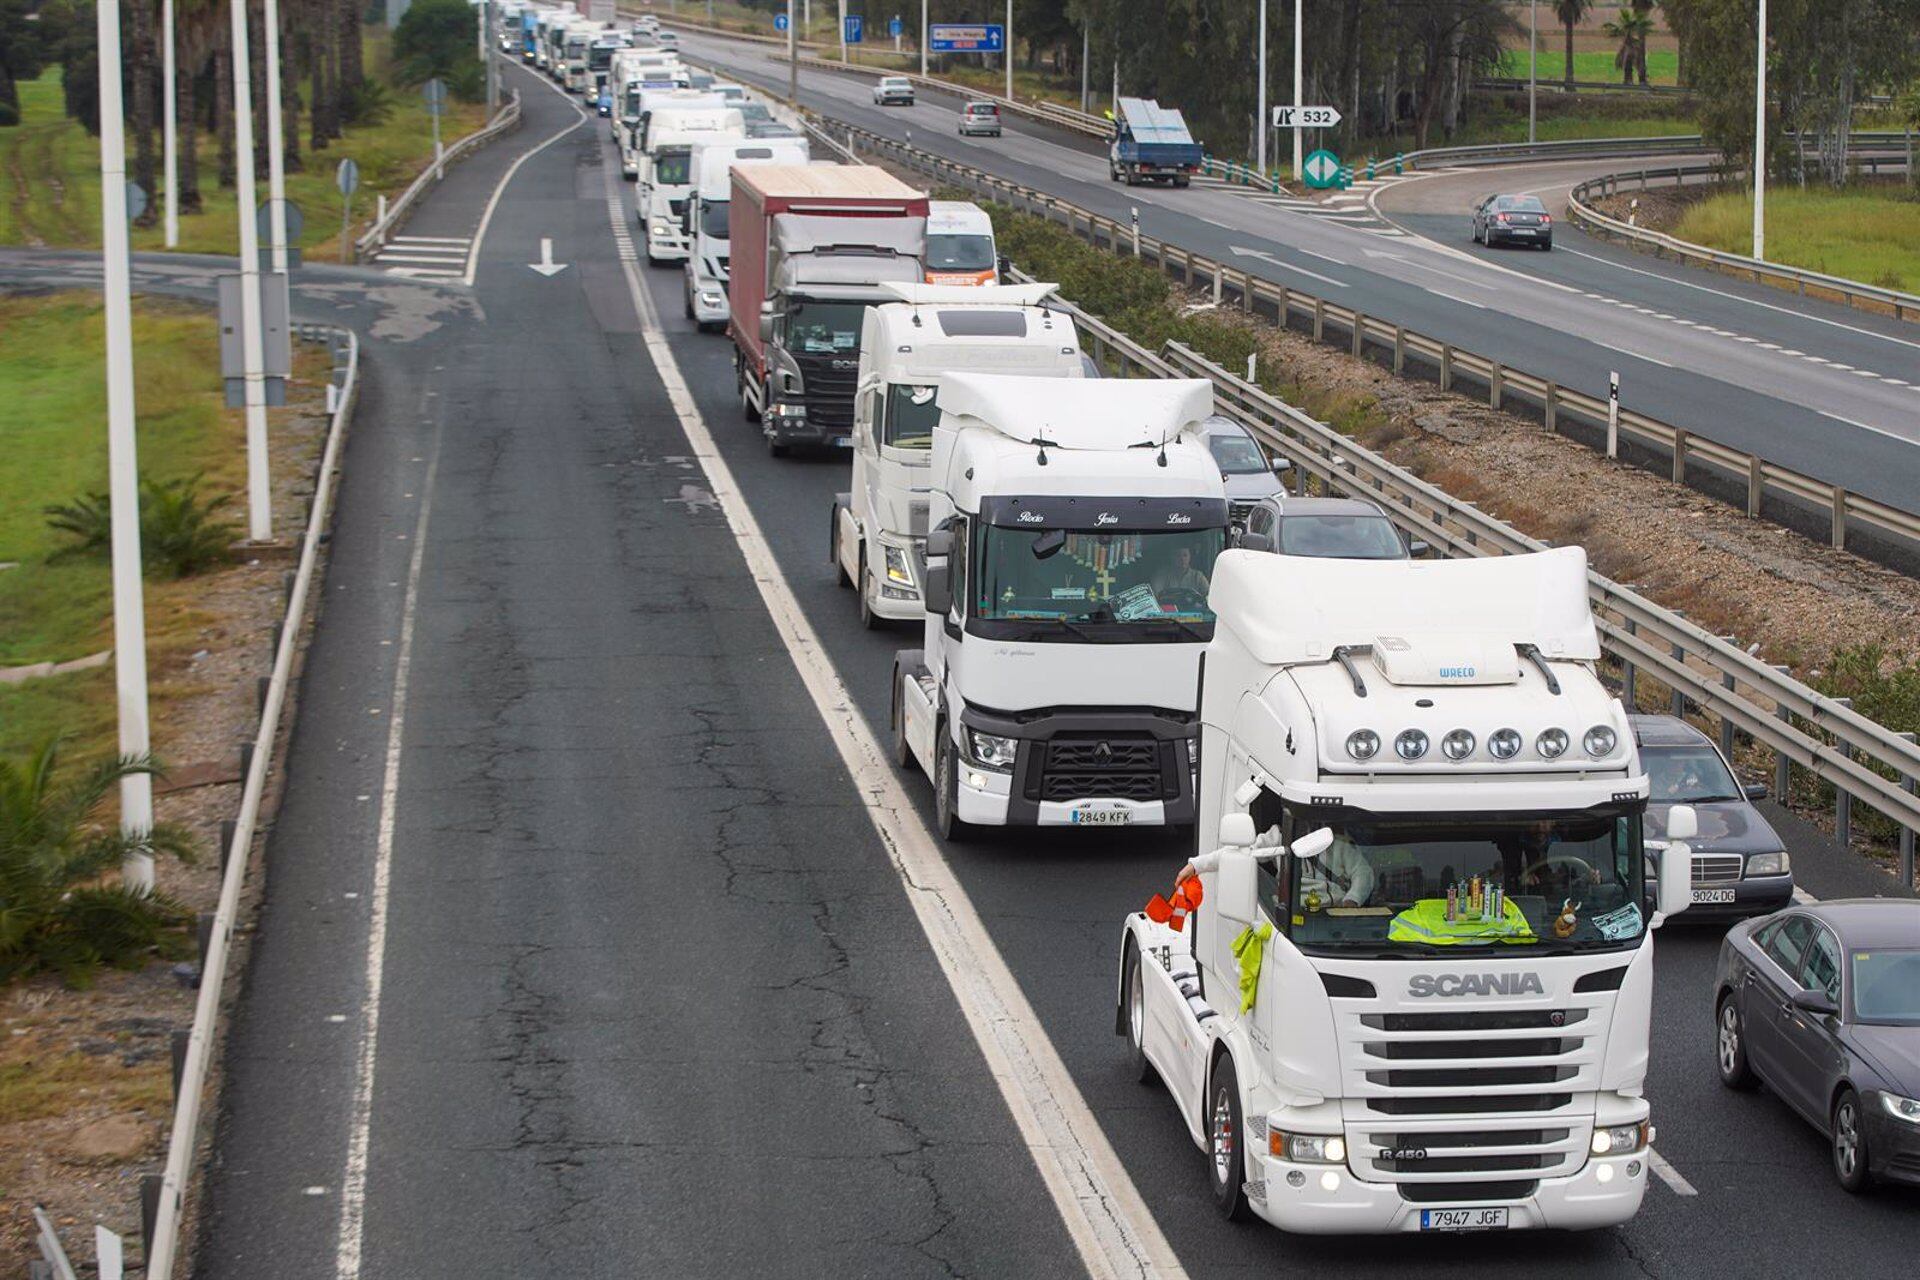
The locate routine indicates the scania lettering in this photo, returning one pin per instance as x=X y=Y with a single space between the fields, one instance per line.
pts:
x=1416 y=992
x=908 y=347
x=1063 y=620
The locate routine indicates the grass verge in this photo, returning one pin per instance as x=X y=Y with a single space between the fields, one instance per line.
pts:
x=1870 y=231
x=50 y=177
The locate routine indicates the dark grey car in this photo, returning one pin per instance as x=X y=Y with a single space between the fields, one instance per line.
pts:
x=1512 y=220
x=1740 y=866
x=1821 y=1003
x=1246 y=470
x=1326 y=528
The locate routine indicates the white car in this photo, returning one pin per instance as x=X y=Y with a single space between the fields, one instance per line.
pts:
x=893 y=89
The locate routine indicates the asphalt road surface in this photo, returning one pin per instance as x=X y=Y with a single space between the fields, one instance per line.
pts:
x=1816 y=387
x=650 y=999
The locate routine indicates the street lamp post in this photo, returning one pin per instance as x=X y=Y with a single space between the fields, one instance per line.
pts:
x=793 y=60
x=923 y=39
x=169 y=135
x=1533 y=63
x=252 y=341
x=1086 y=47
x=1760 y=139
x=123 y=468
x=1299 y=77
x=276 y=143
x=1260 y=110
x=1007 y=57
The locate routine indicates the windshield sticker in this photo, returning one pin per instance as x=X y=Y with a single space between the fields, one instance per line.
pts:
x=1069 y=593
x=1616 y=926
x=1136 y=603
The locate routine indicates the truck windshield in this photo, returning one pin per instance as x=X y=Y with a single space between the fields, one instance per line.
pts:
x=821 y=328
x=670 y=167
x=713 y=219
x=1393 y=884
x=959 y=253
x=1110 y=586
x=599 y=57
x=912 y=412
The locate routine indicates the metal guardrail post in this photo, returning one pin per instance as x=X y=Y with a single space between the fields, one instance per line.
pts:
x=1552 y=407
x=1496 y=385
x=1399 y=348
x=1629 y=693
x=1912 y=783
x=1782 y=763
x=1756 y=485
x=1446 y=366
x=1726 y=723
x=1286 y=301
x=1677 y=700
x=1319 y=319
x=1839 y=518
x=1359 y=334
x=1842 y=798
x=1679 y=456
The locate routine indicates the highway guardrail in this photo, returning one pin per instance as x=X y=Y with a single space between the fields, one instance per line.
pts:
x=1903 y=306
x=1841 y=510
x=191 y=1074
x=504 y=120
x=1863 y=760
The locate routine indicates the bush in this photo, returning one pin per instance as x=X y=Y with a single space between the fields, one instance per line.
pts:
x=179 y=534
x=58 y=911
x=1886 y=691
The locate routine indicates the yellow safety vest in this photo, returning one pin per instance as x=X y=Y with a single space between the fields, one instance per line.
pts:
x=1426 y=921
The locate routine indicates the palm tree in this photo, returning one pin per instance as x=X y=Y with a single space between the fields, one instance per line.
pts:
x=59 y=909
x=1570 y=12
x=1631 y=30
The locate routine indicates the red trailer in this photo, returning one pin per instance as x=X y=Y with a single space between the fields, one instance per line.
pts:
x=817 y=238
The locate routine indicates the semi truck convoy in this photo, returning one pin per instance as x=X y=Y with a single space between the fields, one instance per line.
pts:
x=907 y=349
x=707 y=222
x=1415 y=994
x=811 y=246
x=1072 y=529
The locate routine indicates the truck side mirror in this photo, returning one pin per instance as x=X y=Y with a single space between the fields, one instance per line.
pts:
x=1676 y=881
x=1255 y=542
x=766 y=321
x=1417 y=549
x=1312 y=844
x=1236 y=829
x=1237 y=886
x=939 y=589
x=1683 y=822
x=1004 y=265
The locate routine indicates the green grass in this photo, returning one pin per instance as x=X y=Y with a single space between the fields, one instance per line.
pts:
x=1869 y=232
x=52 y=418
x=50 y=177
x=1663 y=65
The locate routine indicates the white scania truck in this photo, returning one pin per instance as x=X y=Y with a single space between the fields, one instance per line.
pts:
x=907 y=348
x=1416 y=993
x=1072 y=530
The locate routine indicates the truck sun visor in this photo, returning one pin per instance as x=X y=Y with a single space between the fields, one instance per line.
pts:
x=1102 y=513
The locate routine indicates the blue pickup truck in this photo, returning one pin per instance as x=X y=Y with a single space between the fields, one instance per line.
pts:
x=1151 y=144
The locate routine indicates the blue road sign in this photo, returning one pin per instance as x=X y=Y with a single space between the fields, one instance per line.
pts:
x=779 y=22
x=893 y=27
x=856 y=28
x=966 y=37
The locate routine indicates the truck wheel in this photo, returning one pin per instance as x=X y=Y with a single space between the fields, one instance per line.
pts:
x=946 y=789
x=1226 y=1162
x=1113 y=172
x=1135 y=1013
x=1181 y=182
x=1731 y=1050
x=902 y=752
x=868 y=618
x=840 y=578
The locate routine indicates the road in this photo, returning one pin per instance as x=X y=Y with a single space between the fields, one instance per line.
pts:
x=581 y=953
x=1816 y=387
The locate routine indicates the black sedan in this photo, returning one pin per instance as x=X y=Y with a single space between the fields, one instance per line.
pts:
x=1821 y=1003
x=1512 y=220
x=1740 y=865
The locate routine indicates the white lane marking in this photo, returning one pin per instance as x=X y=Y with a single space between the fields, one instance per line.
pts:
x=1752 y=302
x=430 y=259
x=1669 y=1175
x=1637 y=355
x=473 y=258
x=353 y=1182
x=1315 y=275
x=1110 y=1224
x=1456 y=298
x=457 y=241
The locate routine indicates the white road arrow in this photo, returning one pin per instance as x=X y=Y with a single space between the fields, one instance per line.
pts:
x=1241 y=251
x=547 y=266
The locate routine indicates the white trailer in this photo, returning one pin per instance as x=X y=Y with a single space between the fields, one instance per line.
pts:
x=1072 y=526
x=1416 y=993
x=908 y=348
x=710 y=254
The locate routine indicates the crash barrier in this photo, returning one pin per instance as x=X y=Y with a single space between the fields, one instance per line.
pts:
x=1600 y=149
x=504 y=120
x=164 y=1194
x=1864 y=761
x=1688 y=455
x=1518 y=84
x=1903 y=306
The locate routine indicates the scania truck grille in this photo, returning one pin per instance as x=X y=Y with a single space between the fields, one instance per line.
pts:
x=1455 y=1105
x=1117 y=767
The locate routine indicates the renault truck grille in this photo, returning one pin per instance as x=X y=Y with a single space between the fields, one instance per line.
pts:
x=1452 y=1104
x=1115 y=766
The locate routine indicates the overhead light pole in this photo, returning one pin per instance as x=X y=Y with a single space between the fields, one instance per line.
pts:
x=1007 y=57
x=793 y=61
x=1086 y=48
x=1760 y=139
x=1299 y=78
x=1260 y=110
x=1533 y=63
x=252 y=340
x=276 y=143
x=923 y=39
x=123 y=467
x=169 y=139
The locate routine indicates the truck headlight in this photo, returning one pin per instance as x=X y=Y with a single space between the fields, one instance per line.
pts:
x=991 y=751
x=898 y=569
x=1307 y=1148
x=661 y=227
x=1769 y=864
x=709 y=298
x=1457 y=745
x=796 y=412
x=1505 y=743
x=1620 y=1138
x=1599 y=741
x=1901 y=1108
x=1552 y=743
x=1363 y=744
x=1410 y=745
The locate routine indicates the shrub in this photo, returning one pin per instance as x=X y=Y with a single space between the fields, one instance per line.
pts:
x=179 y=534
x=58 y=911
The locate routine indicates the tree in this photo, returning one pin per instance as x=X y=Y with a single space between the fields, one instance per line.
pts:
x=1570 y=13
x=24 y=54
x=435 y=40
x=1631 y=29
x=60 y=910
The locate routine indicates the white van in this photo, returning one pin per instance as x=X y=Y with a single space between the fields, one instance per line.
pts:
x=960 y=248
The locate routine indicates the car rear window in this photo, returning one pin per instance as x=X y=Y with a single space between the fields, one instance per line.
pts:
x=1520 y=204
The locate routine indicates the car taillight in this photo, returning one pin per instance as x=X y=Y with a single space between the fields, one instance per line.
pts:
x=1545 y=219
x=1500 y=218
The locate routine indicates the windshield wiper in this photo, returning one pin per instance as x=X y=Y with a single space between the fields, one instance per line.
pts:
x=1710 y=799
x=1186 y=627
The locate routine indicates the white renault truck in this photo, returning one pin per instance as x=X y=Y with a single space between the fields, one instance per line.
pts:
x=670 y=134
x=1416 y=992
x=907 y=348
x=710 y=251
x=1072 y=529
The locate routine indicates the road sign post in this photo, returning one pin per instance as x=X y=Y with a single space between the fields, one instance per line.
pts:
x=435 y=93
x=966 y=37
x=893 y=29
x=1305 y=117
x=1321 y=170
x=346 y=179
x=781 y=22
x=856 y=29
x=1613 y=415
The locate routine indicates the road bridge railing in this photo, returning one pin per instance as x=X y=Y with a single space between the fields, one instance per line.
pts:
x=1864 y=761
x=505 y=120
x=1855 y=293
x=1770 y=489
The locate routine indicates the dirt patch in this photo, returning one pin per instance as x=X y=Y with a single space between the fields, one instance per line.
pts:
x=86 y=1087
x=1655 y=209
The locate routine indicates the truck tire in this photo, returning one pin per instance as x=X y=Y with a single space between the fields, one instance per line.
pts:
x=902 y=752
x=1182 y=181
x=1133 y=1014
x=1226 y=1161
x=946 y=788
x=868 y=618
x=1113 y=172
x=686 y=302
x=840 y=578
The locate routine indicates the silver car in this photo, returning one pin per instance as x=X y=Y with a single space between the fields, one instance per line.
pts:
x=893 y=90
